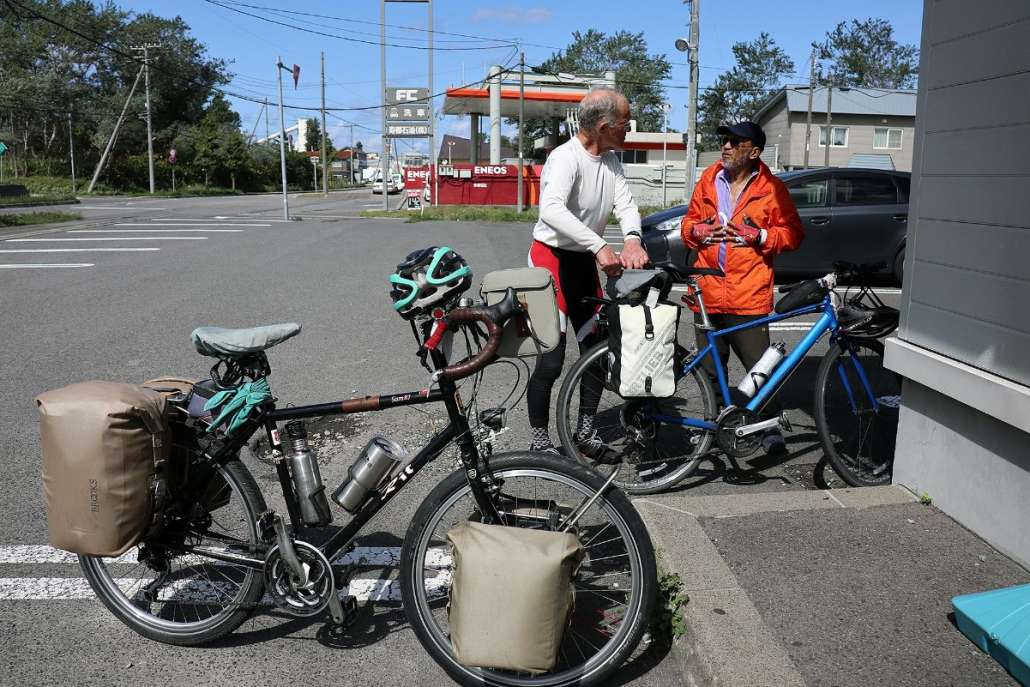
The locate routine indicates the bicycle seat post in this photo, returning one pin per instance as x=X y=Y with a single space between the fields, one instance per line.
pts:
x=694 y=291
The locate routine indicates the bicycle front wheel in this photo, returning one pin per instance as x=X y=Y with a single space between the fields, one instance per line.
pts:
x=181 y=598
x=614 y=588
x=646 y=436
x=858 y=424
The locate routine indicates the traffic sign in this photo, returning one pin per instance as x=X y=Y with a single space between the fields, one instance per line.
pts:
x=3 y=148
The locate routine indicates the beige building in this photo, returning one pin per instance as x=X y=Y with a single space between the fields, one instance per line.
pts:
x=870 y=127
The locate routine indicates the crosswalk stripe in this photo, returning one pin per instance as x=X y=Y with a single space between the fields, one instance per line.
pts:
x=115 y=238
x=78 y=250
x=40 y=266
x=159 y=231
x=77 y=588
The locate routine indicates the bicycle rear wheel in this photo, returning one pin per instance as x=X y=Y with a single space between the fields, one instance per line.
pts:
x=614 y=588
x=857 y=435
x=654 y=453
x=181 y=598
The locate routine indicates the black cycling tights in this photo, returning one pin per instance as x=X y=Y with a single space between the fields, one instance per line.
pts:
x=548 y=369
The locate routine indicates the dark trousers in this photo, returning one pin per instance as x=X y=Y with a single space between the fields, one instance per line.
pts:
x=747 y=344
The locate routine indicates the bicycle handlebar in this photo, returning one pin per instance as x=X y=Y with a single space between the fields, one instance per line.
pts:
x=494 y=317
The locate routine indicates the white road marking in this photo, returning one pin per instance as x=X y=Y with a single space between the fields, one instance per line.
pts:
x=188 y=591
x=78 y=250
x=366 y=556
x=40 y=266
x=162 y=223
x=113 y=207
x=115 y=238
x=159 y=231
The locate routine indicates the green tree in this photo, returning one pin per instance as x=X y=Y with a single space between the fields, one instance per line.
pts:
x=234 y=155
x=760 y=66
x=638 y=74
x=313 y=140
x=865 y=53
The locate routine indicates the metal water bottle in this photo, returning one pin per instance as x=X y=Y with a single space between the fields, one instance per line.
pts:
x=307 y=481
x=758 y=374
x=377 y=460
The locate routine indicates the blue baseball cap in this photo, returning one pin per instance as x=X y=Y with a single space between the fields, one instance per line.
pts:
x=748 y=130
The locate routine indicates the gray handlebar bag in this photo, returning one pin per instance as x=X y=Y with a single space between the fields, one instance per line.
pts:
x=511 y=595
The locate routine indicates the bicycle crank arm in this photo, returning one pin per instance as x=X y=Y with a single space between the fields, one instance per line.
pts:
x=298 y=572
x=747 y=430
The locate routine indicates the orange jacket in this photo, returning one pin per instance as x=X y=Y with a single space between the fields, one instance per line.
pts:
x=747 y=288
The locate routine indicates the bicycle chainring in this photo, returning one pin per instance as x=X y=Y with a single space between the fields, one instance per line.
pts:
x=732 y=445
x=306 y=599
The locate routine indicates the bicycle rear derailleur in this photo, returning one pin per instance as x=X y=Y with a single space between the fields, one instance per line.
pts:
x=740 y=430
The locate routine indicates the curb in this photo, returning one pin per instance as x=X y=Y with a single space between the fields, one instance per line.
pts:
x=41 y=205
x=726 y=641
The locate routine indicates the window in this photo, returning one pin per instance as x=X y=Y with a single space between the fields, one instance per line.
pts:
x=885 y=138
x=633 y=157
x=840 y=137
x=865 y=190
x=809 y=194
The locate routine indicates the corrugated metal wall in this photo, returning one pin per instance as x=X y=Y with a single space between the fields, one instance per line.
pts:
x=967 y=276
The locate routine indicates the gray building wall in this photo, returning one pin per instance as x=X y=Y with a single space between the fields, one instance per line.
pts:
x=963 y=343
x=861 y=129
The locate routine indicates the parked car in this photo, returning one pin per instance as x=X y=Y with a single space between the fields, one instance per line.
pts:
x=858 y=215
x=394 y=185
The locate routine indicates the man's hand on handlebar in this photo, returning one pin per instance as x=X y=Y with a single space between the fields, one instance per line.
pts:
x=633 y=256
x=608 y=261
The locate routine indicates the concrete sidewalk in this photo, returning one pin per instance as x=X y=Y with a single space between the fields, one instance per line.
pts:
x=849 y=587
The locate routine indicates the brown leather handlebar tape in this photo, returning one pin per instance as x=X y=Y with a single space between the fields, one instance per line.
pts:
x=359 y=405
x=470 y=366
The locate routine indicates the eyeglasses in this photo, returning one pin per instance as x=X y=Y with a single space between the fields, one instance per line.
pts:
x=734 y=141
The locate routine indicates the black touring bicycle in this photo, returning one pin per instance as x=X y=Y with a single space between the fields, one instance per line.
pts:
x=218 y=552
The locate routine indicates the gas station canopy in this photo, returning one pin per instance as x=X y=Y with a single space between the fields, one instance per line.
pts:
x=546 y=95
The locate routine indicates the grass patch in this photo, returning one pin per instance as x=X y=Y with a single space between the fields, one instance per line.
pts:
x=26 y=218
x=476 y=213
x=667 y=622
x=15 y=201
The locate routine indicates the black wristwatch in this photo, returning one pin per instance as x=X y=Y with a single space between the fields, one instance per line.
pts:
x=634 y=233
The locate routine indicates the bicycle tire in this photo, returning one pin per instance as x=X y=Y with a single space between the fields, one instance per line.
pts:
x=859 y=445
x=544 y=475
x=132 y=609
x=655 y=456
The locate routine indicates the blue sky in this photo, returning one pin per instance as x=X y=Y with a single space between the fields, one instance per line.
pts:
x=352 y=67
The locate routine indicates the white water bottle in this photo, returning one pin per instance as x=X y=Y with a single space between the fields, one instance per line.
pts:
x=758 y=374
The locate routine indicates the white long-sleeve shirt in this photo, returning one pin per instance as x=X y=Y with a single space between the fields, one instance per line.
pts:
x=578 y=191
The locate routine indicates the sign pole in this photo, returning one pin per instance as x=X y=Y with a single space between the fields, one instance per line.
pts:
x=384 y=161
x=282 y=139
x=522 y=115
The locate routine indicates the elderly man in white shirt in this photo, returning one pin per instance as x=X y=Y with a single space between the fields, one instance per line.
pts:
x=581 y=185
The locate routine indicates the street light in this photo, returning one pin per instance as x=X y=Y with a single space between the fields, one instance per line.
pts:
x=682 y=44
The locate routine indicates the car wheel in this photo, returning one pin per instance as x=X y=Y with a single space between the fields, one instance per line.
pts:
x=899 y=266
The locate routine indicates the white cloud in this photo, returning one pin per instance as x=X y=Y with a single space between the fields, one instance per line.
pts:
x=512 y=15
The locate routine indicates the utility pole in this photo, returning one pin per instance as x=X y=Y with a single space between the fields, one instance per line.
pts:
x=829 y=117
x=808 y=119
x=114 y=134
x=434 y=150
x=384 y=158
x=71 y=150
x=665 y=153
x=522 y=116
x=325 y=160
x=150 y=137
x=266 y=120
x=279 y=67
x=692 y=45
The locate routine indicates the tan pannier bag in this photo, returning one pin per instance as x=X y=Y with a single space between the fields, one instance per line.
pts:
x=102 y=442
x=511 y=595
x=534 y=288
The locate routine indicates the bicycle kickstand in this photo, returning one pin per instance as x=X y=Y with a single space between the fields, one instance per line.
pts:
x=343 y=613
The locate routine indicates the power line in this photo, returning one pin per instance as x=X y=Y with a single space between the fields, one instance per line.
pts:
x=348 y=38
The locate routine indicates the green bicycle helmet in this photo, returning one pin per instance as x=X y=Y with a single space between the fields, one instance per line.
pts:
x=428 y=278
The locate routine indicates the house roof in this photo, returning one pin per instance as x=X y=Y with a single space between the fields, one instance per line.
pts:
x=462 y=147
x=883 y=102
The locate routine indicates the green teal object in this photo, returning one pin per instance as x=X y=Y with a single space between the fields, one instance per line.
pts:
x=238 y=403
x=3 y=148
x=456 y=274
x=397 y=279
x=998 y=622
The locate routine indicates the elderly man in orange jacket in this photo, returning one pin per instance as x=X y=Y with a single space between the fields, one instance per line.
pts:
x=741 y=216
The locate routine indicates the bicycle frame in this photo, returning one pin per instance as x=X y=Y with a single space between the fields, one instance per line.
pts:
x=827 y=322
x=457 y=430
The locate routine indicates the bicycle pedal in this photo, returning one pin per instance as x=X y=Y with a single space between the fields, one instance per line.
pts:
x=785 y=423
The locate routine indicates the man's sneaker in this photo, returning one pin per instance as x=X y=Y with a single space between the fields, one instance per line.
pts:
x=773 y=442
x=552 y=449
x=593 y=448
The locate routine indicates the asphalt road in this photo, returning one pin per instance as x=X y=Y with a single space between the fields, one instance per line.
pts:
x=119 y=300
